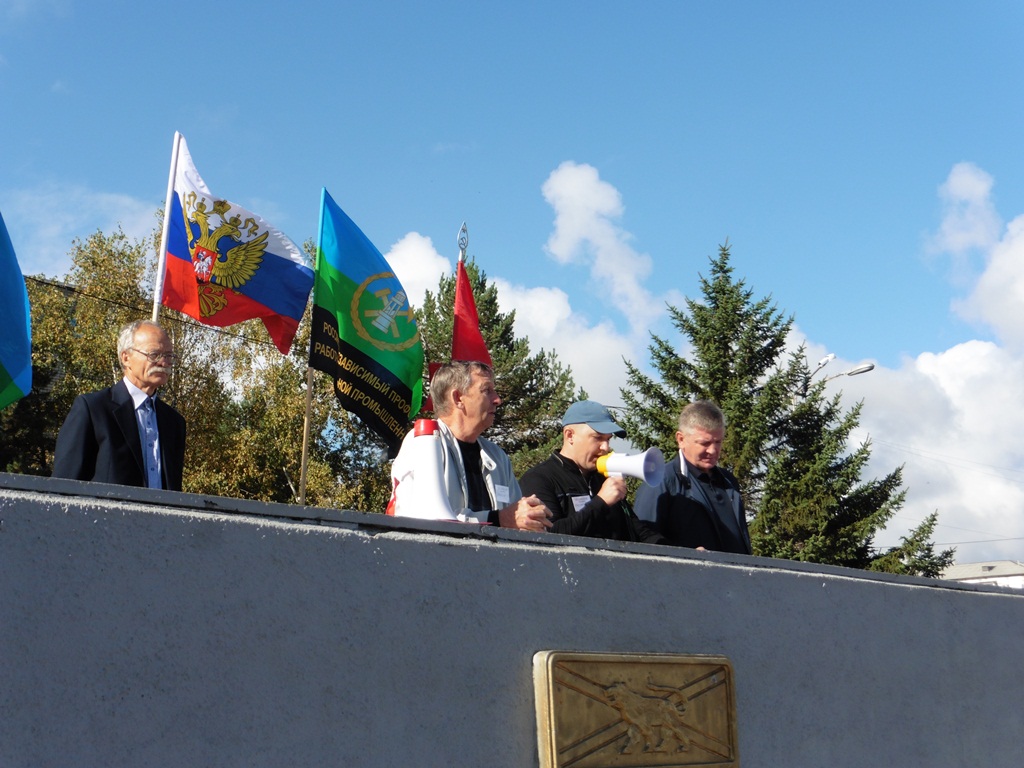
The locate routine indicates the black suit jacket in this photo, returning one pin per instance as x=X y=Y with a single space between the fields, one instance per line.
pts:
x=683 y=516
x=100 y=440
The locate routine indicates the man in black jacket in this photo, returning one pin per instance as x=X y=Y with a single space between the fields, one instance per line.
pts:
x=698 y=503
x=124 y=434
x=582 y=501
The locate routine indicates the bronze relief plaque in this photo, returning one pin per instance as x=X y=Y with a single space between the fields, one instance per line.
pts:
x=606 y=710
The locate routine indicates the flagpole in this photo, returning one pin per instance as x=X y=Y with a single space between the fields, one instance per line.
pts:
x=158 y=283
x=463 y=241
x=309 y=368
x=305 y=436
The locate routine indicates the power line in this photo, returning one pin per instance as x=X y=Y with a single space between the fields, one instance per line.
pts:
x=68 y=288
x=960 y=464
x=954 y=461
x=940 y=524
x=978 y=541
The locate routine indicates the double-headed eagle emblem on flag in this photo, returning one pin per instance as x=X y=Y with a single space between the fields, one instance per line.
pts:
x=221 y=256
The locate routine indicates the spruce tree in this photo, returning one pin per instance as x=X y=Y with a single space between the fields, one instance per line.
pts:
x=785 y=442
x=734 y=345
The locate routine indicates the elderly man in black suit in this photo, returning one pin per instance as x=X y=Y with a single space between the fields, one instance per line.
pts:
x=124 y=434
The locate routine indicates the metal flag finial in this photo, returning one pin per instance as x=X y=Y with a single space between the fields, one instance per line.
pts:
x=463 y=242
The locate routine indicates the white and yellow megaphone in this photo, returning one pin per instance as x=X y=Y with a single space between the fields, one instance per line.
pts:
x=649 y=466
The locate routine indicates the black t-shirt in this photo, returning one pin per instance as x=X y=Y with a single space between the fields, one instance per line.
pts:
x=479 y=500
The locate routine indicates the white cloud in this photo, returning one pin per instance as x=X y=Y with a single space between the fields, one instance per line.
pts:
x=954 y=418
x=543 y=314
x=587 y=232
x=584 y=233
x=417 y=265
x=970 y=220
x=583 y=205
x=593 y=352
x=998 y=296
x=19 y=10
x=44 y=220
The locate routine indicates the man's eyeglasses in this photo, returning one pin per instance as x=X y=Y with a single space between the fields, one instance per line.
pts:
x=156 y=357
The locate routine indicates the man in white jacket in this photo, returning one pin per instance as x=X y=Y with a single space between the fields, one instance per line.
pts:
x=476 y=474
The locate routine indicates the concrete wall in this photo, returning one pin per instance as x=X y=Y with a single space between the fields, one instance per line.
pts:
x=147 y=628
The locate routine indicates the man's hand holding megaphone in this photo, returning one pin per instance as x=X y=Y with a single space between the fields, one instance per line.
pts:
x=584 y=501
x=613 y=490
x=649 y=466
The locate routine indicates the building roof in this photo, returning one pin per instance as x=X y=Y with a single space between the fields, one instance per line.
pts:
x=993 y=569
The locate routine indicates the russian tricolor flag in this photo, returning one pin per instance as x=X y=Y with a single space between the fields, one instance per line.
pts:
x=224 y=264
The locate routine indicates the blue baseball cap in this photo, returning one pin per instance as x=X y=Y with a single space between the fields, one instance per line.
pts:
x=594 y=415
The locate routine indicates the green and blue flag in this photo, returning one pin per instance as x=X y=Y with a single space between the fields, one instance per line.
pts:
x=364 y=333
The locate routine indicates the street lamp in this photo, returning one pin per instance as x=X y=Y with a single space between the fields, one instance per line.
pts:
x=863 y=368
x=852 y=372
x=822 y=363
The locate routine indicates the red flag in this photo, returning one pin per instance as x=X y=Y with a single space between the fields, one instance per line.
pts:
x=467 y=343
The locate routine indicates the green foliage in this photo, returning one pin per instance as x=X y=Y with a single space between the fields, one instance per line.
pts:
x=74 y=342
x=916 y=555
x=814 y=507
x=734 y=344
x=243 y=402
x=246 y=428
x=786 y=444
x=245 y=405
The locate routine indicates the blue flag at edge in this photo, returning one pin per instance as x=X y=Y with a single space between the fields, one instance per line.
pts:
x=16 y=321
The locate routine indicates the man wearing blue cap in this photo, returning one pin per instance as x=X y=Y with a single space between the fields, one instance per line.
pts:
x=582 y=501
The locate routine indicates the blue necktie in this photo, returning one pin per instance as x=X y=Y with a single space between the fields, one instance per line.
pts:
x=150 y=443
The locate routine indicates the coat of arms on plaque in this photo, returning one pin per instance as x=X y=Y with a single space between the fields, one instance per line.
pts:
x=599 y=710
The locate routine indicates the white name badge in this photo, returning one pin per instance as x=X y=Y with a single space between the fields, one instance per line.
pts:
x=501 y=494
x=579 y=502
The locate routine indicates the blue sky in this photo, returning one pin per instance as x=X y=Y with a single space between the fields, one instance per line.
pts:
x=861 y=159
